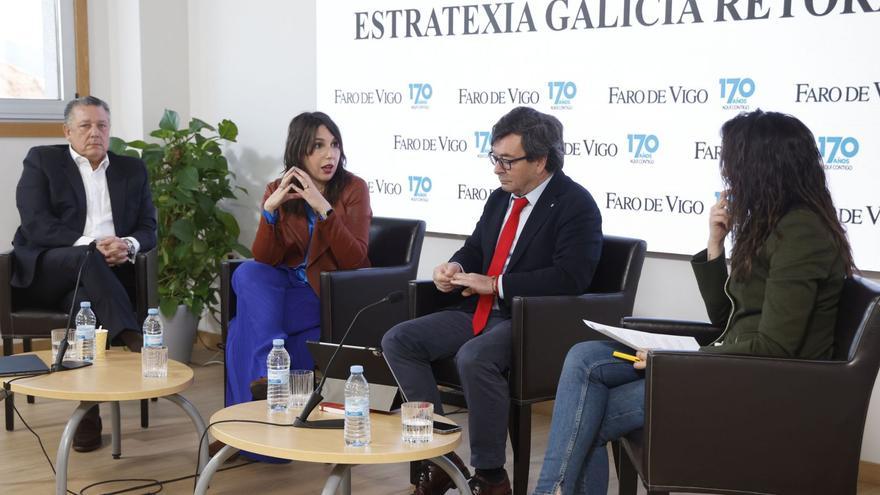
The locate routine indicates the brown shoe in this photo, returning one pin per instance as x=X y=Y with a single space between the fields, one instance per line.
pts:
x=215 y=447
x=433 y=480
x=88 y=434
x=259 y=388
x=480 y=486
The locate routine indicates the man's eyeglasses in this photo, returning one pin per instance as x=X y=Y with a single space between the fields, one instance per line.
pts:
x=505 y=163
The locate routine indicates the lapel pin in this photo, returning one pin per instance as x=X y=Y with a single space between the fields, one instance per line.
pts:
x=552 y=205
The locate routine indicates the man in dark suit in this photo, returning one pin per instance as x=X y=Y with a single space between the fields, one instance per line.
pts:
x=540 y=234
x=78 y=200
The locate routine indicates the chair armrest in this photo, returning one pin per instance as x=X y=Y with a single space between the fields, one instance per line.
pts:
x=345 y=292
x=6 y=293
x=543 y=331
x=705 y=333
x=146 y=292
x=737 y=419
x=227 y=295
x=424 y=298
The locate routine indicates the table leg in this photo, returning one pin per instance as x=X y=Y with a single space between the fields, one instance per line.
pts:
x=339 y=479
x=199 y=423
x=117 y=429
x=64 y=446
x=208 y=472
x=453 y=472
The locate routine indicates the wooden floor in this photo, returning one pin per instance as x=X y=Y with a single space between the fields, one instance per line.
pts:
x=166 y=451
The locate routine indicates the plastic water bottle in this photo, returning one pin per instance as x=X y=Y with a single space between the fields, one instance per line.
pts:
x=153 y=333
x=278 y=375
x=357 y=409
x=85 y=332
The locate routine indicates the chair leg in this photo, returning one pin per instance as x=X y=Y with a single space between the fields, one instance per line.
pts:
x=10 y=413
x=145 y=413
x=7 y=346
x=27 y=346
x=628 y=478
x=520 y=427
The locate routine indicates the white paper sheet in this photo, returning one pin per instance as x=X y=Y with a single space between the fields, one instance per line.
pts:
x=644 y=340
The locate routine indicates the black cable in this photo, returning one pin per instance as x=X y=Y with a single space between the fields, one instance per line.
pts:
x=208 y=428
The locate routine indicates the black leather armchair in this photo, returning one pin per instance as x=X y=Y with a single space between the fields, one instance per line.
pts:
x=21 y=320
x=748 y=424
x=394 y=251
x=536 y=361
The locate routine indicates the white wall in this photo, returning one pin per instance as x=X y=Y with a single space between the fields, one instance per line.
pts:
x=254 y=63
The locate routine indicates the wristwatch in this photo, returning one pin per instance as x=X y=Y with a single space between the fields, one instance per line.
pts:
x=131 y=252
x=327 y=214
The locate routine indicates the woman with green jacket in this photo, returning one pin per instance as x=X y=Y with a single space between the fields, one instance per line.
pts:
x=789 y=260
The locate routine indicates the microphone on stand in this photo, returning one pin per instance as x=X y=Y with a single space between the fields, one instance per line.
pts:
x=302 y=421
x=61 y=365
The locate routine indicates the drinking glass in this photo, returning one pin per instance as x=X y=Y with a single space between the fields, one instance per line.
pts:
x=57 y=337
x=154 y=361
x=302 y=382
x=418 y=421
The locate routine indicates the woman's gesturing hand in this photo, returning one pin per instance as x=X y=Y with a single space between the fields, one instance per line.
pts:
x=719 y=226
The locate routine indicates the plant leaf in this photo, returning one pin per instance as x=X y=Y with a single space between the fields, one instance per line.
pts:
x=242 y=250
x=168 y=306
x=137 y=143
x=188 y=177
x=169 y=121
x=228 y=130
x=117 y=145
x=183 y=229
x=196 y=125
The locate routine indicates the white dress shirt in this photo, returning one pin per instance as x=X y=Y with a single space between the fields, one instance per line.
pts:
x=533 y=197
x=99 y=214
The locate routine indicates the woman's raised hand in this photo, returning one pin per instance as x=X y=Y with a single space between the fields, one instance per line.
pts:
x=719 y=226
x=285 y=192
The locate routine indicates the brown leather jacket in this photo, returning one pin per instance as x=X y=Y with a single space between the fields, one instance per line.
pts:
x=338 y=243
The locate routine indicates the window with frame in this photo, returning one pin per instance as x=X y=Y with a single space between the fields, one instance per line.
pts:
x=43 y=56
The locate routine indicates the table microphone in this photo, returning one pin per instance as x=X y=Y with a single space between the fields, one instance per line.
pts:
x=62 y=347
x=316 y=397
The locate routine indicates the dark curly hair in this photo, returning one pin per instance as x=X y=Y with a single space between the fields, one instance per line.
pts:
x=770 y=164
x=301 y=143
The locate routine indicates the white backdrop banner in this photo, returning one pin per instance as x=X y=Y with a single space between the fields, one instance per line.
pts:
x=641 y=86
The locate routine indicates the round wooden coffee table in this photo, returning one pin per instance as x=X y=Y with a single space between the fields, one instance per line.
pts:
x=326 y=446
x=114 y=378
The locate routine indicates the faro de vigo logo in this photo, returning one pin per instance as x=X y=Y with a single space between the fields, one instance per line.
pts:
x=419 y=94
x=561 y=94
x=642 y=147
x=419 y=187
x=481 y=142
x=735 y=92
x=837 y=151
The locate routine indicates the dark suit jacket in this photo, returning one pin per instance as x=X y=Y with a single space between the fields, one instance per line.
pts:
x=557 y=251
x=51 y=200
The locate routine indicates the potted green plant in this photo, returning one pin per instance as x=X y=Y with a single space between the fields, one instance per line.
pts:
x=189 y=178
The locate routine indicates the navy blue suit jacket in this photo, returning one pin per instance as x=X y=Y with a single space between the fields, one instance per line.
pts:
x=51 y=200
x=557 y=251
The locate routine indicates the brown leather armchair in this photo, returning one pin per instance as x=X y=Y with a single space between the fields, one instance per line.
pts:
x=21 y=320
x=536 y=361
x=394 y=251
x=748 y=424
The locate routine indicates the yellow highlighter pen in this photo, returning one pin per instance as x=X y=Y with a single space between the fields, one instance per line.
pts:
x=628 y=357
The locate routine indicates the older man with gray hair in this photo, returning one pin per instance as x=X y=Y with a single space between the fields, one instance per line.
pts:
x=73 y=196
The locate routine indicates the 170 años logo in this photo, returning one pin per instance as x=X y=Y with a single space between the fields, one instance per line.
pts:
x=837 y=151
x=419 y=187
x=481 y=142
x=642 y=147
x=561 y=94
x=419 y=94
x=735 y=92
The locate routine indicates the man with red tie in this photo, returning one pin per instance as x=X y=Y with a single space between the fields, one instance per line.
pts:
x=540 y=234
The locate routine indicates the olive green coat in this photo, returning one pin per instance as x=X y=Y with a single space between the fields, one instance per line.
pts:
x=788 y=306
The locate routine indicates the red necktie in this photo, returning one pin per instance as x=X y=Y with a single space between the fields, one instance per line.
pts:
x=502 y=250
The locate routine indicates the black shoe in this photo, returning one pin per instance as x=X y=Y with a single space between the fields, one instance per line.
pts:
x=88 y=434
x=481 y=486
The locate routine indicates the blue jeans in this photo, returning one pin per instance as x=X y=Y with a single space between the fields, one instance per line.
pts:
x=600 y=398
